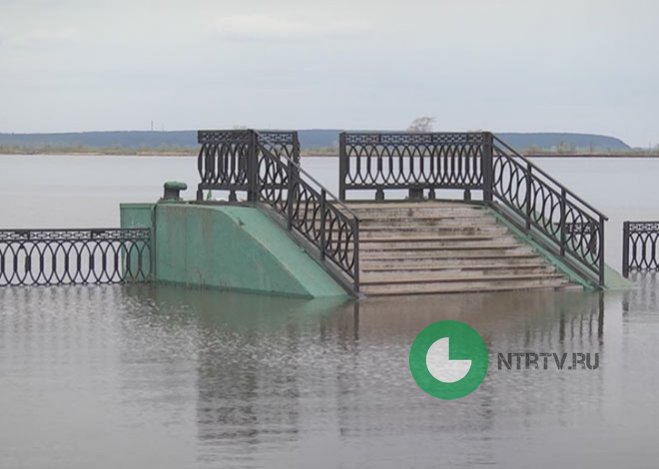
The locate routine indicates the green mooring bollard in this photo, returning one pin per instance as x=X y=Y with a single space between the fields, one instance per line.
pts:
x=173 y=190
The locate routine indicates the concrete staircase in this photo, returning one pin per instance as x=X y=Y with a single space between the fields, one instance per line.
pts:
x=444 y=247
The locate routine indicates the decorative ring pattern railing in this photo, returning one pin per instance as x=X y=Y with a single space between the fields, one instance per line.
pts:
x=74 y=256
x=395 y=160
x=539 y=204
x=272 y=174
x=640 y=247
x=528 y=197
x=223 y=161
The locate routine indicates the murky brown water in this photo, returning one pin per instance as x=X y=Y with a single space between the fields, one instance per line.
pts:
x=170 y=377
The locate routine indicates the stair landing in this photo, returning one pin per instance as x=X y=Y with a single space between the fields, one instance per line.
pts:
x=428 y=247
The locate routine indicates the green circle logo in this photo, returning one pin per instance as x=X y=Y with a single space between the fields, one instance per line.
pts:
x=448 y=359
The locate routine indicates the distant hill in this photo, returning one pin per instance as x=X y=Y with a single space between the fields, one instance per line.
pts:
x=550 y=141
x=309 y=140
x=541 y=140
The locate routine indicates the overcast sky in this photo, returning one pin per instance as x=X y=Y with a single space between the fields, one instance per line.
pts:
x=509 y=65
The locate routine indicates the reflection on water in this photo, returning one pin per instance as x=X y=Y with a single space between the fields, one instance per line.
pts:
x=146 y=376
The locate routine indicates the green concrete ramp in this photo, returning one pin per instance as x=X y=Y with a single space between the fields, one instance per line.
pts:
x=235 y=247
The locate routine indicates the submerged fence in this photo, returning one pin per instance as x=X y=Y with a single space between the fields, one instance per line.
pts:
x=640 y=247
x=527 y=196
x=74 y=256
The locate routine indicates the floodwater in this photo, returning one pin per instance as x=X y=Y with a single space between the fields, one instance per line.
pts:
x=161 y=376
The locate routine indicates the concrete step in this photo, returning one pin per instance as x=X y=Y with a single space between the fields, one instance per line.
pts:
x=409 y=248
x=457 y=245
x=421 y=213
x=443 y=242
x=423 y=261
x=490 y=252
x=416 y=210
x=402 y=207
x=425 y=264
x=446 y=204
x=454 y=270
x=368 y=231
x=384 y=222
x=396 y=278
x=465 y=287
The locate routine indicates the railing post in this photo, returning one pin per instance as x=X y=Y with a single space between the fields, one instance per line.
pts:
x=625 y=249
x=201 y=168
x=601 y=259
x=487 y=166
x=296 y=147
x=323 y=204
x=296 y=154
x=343 y=166
x=562 y=221
x=529 y=177
x=252 y=167
x=356 y=254
x=291 y=193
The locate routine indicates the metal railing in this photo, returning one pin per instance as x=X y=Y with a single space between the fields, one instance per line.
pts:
x=640 y=247
x=528 y=197
x=266 y=166
x=540 y=205
x=74 y=256
x=414 y=161
x=227 y=159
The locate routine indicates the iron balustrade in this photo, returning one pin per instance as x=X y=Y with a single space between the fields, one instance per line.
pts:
x=527 y=196
x=413 y=161
x=640 y=247
x=227 y=158
x=74 y=256
x=557 y=218
x=266 y=165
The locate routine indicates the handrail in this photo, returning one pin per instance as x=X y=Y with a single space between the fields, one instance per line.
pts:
x=266 y=165
x=544 y=173
x=565 y=224
x=334 y=198
x=332 y=231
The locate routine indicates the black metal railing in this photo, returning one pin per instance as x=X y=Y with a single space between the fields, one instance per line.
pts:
x=412 y=161
x=527 y=196
x=266 y=166
x=640 y=247
x=537 y=203
x=74 y=256
x=227 y=158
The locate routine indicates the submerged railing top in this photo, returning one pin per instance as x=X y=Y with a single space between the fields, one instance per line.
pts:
x=74 y=256
x=640 y=247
